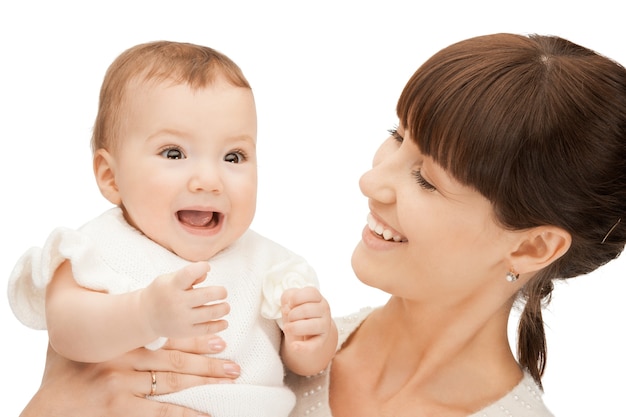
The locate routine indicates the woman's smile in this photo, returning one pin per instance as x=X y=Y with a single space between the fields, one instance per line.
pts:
x=383 y=230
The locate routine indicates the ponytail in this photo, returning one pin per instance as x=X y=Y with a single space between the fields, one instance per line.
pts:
x=532 y=349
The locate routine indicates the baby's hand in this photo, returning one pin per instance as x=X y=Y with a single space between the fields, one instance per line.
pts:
x=173 y=308
x=307 y=321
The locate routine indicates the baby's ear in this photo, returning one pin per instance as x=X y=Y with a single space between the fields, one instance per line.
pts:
x=540 y=247
x=104 y=170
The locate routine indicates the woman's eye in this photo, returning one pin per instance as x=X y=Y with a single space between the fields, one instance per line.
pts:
x=235 y=157
x=422 y=182
x=394 y=133
x=173 y=153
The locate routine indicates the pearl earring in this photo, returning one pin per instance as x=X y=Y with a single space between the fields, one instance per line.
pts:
x=511 y=276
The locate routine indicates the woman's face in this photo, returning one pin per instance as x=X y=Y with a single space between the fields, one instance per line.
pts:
x=428 y=237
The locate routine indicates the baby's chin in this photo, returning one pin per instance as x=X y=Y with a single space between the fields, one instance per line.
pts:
x=200 y=254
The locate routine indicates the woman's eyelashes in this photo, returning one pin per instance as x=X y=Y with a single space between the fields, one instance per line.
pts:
x=394 y=133
x=417 y=174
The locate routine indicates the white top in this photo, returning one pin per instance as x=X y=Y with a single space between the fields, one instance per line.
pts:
x=312 y=392
x=108 y=254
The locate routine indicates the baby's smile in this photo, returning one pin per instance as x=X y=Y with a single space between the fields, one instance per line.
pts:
x=200 y=219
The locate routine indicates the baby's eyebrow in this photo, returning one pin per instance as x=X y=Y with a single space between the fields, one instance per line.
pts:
x=167 y=132
x=243 y=138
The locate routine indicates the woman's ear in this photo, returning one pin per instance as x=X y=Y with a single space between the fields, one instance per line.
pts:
x=104 y=170
x=539 y=247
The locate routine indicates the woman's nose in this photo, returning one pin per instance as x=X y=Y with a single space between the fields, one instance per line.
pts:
x=378 y=183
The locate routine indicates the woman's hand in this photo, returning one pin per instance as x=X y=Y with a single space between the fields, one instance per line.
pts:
x=118 y=388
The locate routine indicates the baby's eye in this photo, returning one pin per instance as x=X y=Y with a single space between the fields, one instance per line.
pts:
x=173 y=153
x=235 y=157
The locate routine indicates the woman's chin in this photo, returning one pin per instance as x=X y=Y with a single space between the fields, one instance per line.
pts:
x=363 y=269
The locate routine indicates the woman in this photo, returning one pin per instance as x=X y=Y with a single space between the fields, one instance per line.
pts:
x=507 y=171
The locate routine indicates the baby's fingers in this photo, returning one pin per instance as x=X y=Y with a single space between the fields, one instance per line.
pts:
x=210 y=314
x=191 y=274
x=307 y=311
x=201 y=296
x=295 y=296
x=306 y=328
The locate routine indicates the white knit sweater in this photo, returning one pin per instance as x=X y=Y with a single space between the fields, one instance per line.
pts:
x=312 y=392
x=108 y=254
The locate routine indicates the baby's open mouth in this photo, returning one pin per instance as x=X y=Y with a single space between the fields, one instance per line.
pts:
x=199 y=219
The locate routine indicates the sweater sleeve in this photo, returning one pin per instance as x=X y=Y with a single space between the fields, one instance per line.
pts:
x=34 y=270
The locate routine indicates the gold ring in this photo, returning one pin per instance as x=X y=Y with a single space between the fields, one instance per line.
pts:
x=153 y=385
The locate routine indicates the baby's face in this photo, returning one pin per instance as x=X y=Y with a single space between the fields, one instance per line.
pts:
x=186 y=168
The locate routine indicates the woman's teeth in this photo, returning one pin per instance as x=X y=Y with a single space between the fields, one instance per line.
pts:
x=381 y=231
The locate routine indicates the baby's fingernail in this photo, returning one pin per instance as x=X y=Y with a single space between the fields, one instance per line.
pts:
x=232 y=369
x=216 y=344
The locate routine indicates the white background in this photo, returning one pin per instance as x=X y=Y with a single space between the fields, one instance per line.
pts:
x=326 y=76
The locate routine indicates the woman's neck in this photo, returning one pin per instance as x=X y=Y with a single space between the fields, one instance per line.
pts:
x=451 y=355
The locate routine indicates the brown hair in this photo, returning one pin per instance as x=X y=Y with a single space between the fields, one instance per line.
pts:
x=537 y=124
x=195 y=65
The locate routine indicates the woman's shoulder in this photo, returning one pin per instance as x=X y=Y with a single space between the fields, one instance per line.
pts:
x=312 y=391
x=524 y=400
x=346 y=325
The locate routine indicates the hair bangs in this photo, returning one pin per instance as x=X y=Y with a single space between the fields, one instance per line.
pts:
x=466 y=108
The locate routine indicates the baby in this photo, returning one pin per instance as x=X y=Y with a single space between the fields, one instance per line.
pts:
x=174 y=148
